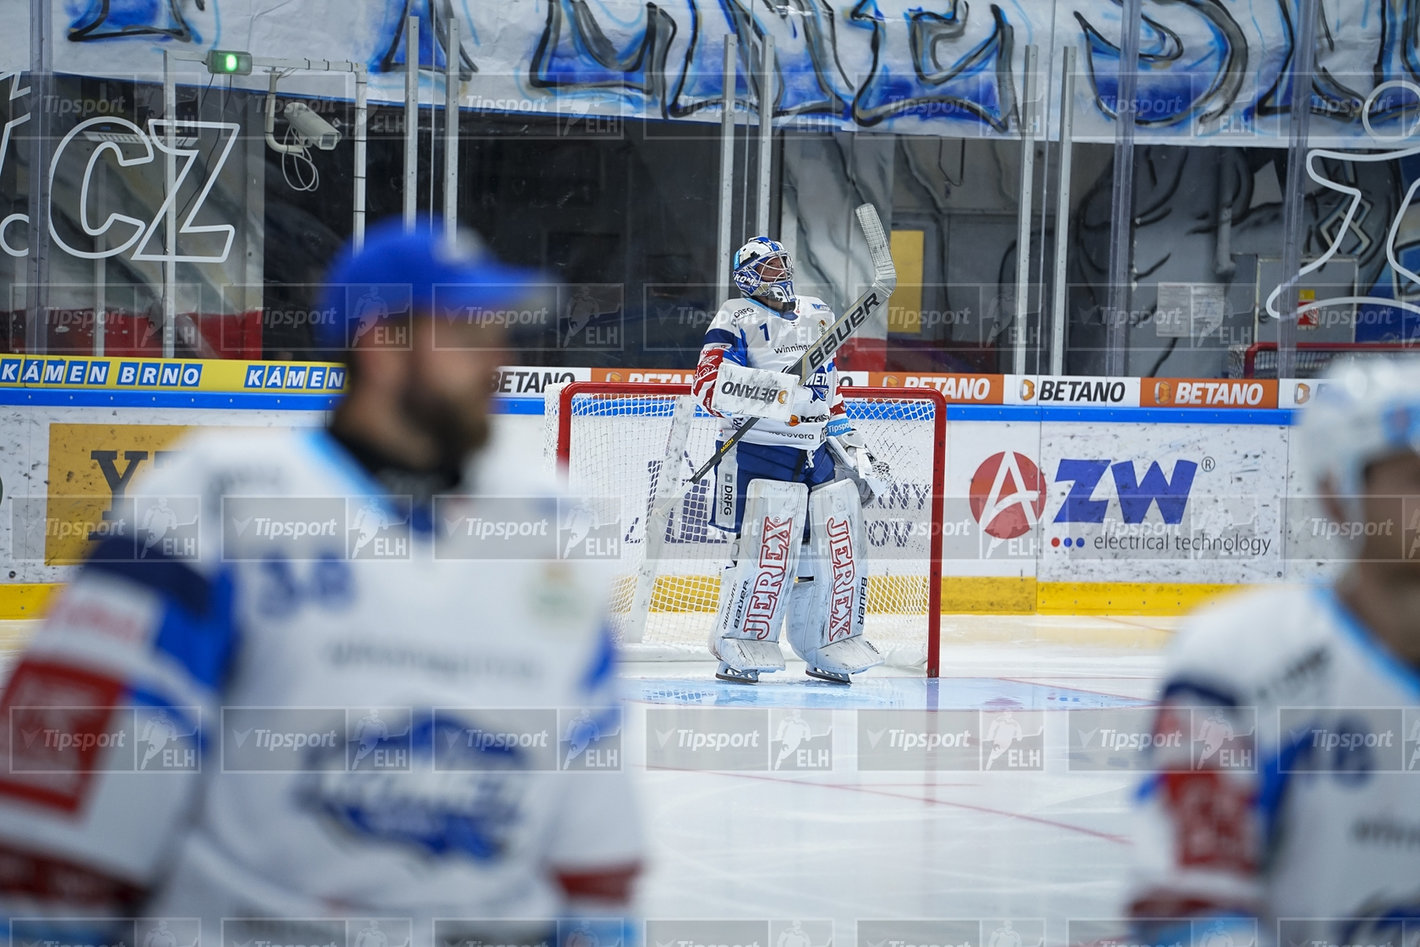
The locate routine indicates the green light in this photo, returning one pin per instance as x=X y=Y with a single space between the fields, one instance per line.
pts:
x=228 y=62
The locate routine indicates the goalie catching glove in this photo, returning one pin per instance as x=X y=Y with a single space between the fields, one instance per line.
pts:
x=856 y=461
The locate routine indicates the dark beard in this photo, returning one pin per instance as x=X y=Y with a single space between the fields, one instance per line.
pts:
x=454 y=433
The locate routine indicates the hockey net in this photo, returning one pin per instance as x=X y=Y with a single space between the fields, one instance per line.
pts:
x=1259 y=360
x=612 y=441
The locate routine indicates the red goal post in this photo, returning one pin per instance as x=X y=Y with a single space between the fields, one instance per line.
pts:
x=611 y=443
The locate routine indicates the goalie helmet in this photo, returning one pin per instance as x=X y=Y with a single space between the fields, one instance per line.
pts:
x=763 y=270
x=1367 y=410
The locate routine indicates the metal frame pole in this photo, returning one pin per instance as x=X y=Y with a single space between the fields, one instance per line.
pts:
x=362 y=131
x=727 y=166
x=451 y=131
x=411 y=121
x=767 y=97
x=1121 y=237
x=1294 y=201
x=1059 y=298
x=1023 y=212
x=170 y=224
x=42 y=88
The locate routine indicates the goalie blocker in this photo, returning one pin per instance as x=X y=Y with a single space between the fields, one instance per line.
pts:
x=808 y=575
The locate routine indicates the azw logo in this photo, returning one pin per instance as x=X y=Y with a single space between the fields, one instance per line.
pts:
x=1007 y=495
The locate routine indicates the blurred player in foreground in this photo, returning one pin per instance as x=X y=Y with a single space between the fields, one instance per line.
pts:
x=776 y=489
x=1282 y=812
x=281 y=813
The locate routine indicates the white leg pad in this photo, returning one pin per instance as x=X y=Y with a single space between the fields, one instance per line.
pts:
x=755 y=589
x=832 y=639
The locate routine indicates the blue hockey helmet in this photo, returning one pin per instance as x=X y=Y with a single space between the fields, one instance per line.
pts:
x=418 y=270
x=763 y=270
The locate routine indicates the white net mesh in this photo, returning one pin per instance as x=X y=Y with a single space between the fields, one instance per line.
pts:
x=616 y=454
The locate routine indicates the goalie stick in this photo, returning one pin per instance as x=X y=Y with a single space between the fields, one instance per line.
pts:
x=821 y=352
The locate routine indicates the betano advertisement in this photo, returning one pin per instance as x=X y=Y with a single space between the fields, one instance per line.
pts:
x=1142 y=510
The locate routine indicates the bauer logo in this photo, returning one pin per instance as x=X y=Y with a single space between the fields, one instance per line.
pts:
x=589 y=739
x=1012 y=740
x=591 y=932
x=1351 y=742
x=919 y=740
x=707 y=933
x=377 y=527
x=279 y=739
x=1007 y=495
x=278 y=528
x=589 y=529
x=486 y=739
x=1166 y=932
x=802 y=739
x=713 y=738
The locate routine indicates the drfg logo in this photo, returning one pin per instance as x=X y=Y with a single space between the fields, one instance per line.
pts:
x=1135 y=494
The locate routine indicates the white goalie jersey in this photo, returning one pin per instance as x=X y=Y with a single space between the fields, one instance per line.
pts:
x=748 y=333
x=1286 y=814
x=287 y=708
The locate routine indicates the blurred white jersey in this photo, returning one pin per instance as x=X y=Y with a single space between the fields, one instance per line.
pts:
x=300 y=710
x=1287 y=810
x=749 y=333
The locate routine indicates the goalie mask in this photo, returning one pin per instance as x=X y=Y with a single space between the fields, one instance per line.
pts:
x=763 y=271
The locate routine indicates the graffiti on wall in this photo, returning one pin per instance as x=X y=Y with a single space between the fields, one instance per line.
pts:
x=1208 y=68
